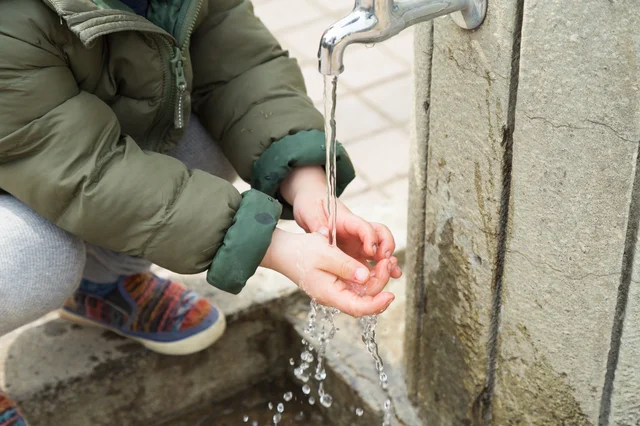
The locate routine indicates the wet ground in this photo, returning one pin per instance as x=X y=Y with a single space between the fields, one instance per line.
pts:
x=251 y=407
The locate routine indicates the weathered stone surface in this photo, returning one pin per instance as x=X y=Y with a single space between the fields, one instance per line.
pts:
x=577 y=130
x=469 y=97
x=625 y=402
x=417 y=202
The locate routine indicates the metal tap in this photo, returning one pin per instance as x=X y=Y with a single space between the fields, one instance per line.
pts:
x=373 y=21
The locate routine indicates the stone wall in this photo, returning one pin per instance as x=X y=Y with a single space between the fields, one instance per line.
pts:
x=524 y=302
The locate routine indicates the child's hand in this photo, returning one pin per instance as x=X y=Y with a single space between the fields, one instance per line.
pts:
x=329 y=275
x=305 y=189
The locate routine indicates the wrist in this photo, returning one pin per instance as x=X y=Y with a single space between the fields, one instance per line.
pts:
x=270 y=260
x=307 y=180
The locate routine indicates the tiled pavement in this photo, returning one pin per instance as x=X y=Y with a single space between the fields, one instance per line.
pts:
x=374 y=101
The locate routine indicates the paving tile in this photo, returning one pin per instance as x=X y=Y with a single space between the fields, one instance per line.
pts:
x=383 y=157
x=305 y=40
x=280 y=14
x=397 y=191
x=401 y=45
x=315 y=85
x=259 y=3
x=355 y=119
x=365 y=67
x=336 y=7
x=355 y=188
x=393 y=98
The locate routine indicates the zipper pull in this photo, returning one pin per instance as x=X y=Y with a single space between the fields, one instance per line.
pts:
x=181 y=86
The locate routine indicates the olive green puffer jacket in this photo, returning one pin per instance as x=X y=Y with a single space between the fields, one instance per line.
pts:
x=92 y=95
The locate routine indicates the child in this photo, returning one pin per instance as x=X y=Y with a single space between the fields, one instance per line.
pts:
x=105 y=169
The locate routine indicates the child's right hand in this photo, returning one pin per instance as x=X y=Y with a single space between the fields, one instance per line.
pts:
x=329 y=275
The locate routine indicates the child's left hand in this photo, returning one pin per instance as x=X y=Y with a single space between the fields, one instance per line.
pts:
x=306 y=190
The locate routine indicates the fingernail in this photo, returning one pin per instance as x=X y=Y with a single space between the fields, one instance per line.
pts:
x=375 y=248
x=388 y=254
x=324 y=231
x=361 y=274
x=397 y=268
x=389 y=267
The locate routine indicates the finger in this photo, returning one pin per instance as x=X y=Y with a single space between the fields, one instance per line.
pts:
x=380 y=279
x=350 y=303
x=396 y=272
x=386 y=242
x=356 y=225
x=317 y=223
x=336 y=262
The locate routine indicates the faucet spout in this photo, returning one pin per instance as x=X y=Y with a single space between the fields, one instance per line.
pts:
x=373 y=21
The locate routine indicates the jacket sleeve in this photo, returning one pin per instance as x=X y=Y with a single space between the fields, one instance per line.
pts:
x=252 y=99
x=63 y=154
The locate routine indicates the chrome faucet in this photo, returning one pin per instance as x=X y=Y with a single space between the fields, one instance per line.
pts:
x=373 y=21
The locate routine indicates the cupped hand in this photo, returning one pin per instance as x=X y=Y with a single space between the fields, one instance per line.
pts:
x=329 y=275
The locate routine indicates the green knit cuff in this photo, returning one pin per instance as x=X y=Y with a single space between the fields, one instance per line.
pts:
x=305 y=148
x=245 y=243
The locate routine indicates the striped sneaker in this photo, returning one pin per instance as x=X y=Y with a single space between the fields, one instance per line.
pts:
x=163 y=315
x=9 y=413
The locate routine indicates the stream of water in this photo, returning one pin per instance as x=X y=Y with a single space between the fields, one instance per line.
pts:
x=320 y=320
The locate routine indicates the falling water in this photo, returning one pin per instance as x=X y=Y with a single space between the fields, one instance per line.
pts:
x=368 y=323
x=320 y=323
x=330 y=89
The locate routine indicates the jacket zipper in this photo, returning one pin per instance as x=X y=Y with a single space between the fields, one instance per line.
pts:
x=178 y=69
x=181 y=87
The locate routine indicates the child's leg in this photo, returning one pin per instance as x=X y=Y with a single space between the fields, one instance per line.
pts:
x=119 y=293
x=40 y=264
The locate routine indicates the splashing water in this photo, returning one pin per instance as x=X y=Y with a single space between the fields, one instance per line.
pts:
x=369 y=324
x=322 y=317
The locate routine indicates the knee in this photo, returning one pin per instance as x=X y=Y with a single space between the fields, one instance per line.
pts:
x=41 y=265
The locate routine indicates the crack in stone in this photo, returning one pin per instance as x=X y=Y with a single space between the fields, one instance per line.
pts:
x=617 y=133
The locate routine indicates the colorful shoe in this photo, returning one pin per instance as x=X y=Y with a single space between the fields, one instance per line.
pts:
x=163 y=315
x=9 y=413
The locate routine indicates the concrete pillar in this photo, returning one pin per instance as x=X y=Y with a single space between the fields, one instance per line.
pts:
x=524 y=306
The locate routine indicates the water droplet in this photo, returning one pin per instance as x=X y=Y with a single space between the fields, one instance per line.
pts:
x=306 y=389
x=387 y=404
x=276 y=418
x=245 y=418
x=254 y=423
x=287 y=396
x=270 y=406
x=280 y=407
x=312 y=400
x=291 y=361
x=326 y=400
x=383 y=377
x=359 y=412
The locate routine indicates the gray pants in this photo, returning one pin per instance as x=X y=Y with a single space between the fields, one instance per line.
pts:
x=41 y=265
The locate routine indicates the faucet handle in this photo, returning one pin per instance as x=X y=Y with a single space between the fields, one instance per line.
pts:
x=471 y=17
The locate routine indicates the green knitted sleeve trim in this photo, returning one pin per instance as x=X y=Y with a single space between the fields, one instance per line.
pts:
x=245 y=243
x=305 y=148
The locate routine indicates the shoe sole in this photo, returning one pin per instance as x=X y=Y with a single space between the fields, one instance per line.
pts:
x=186 y=346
